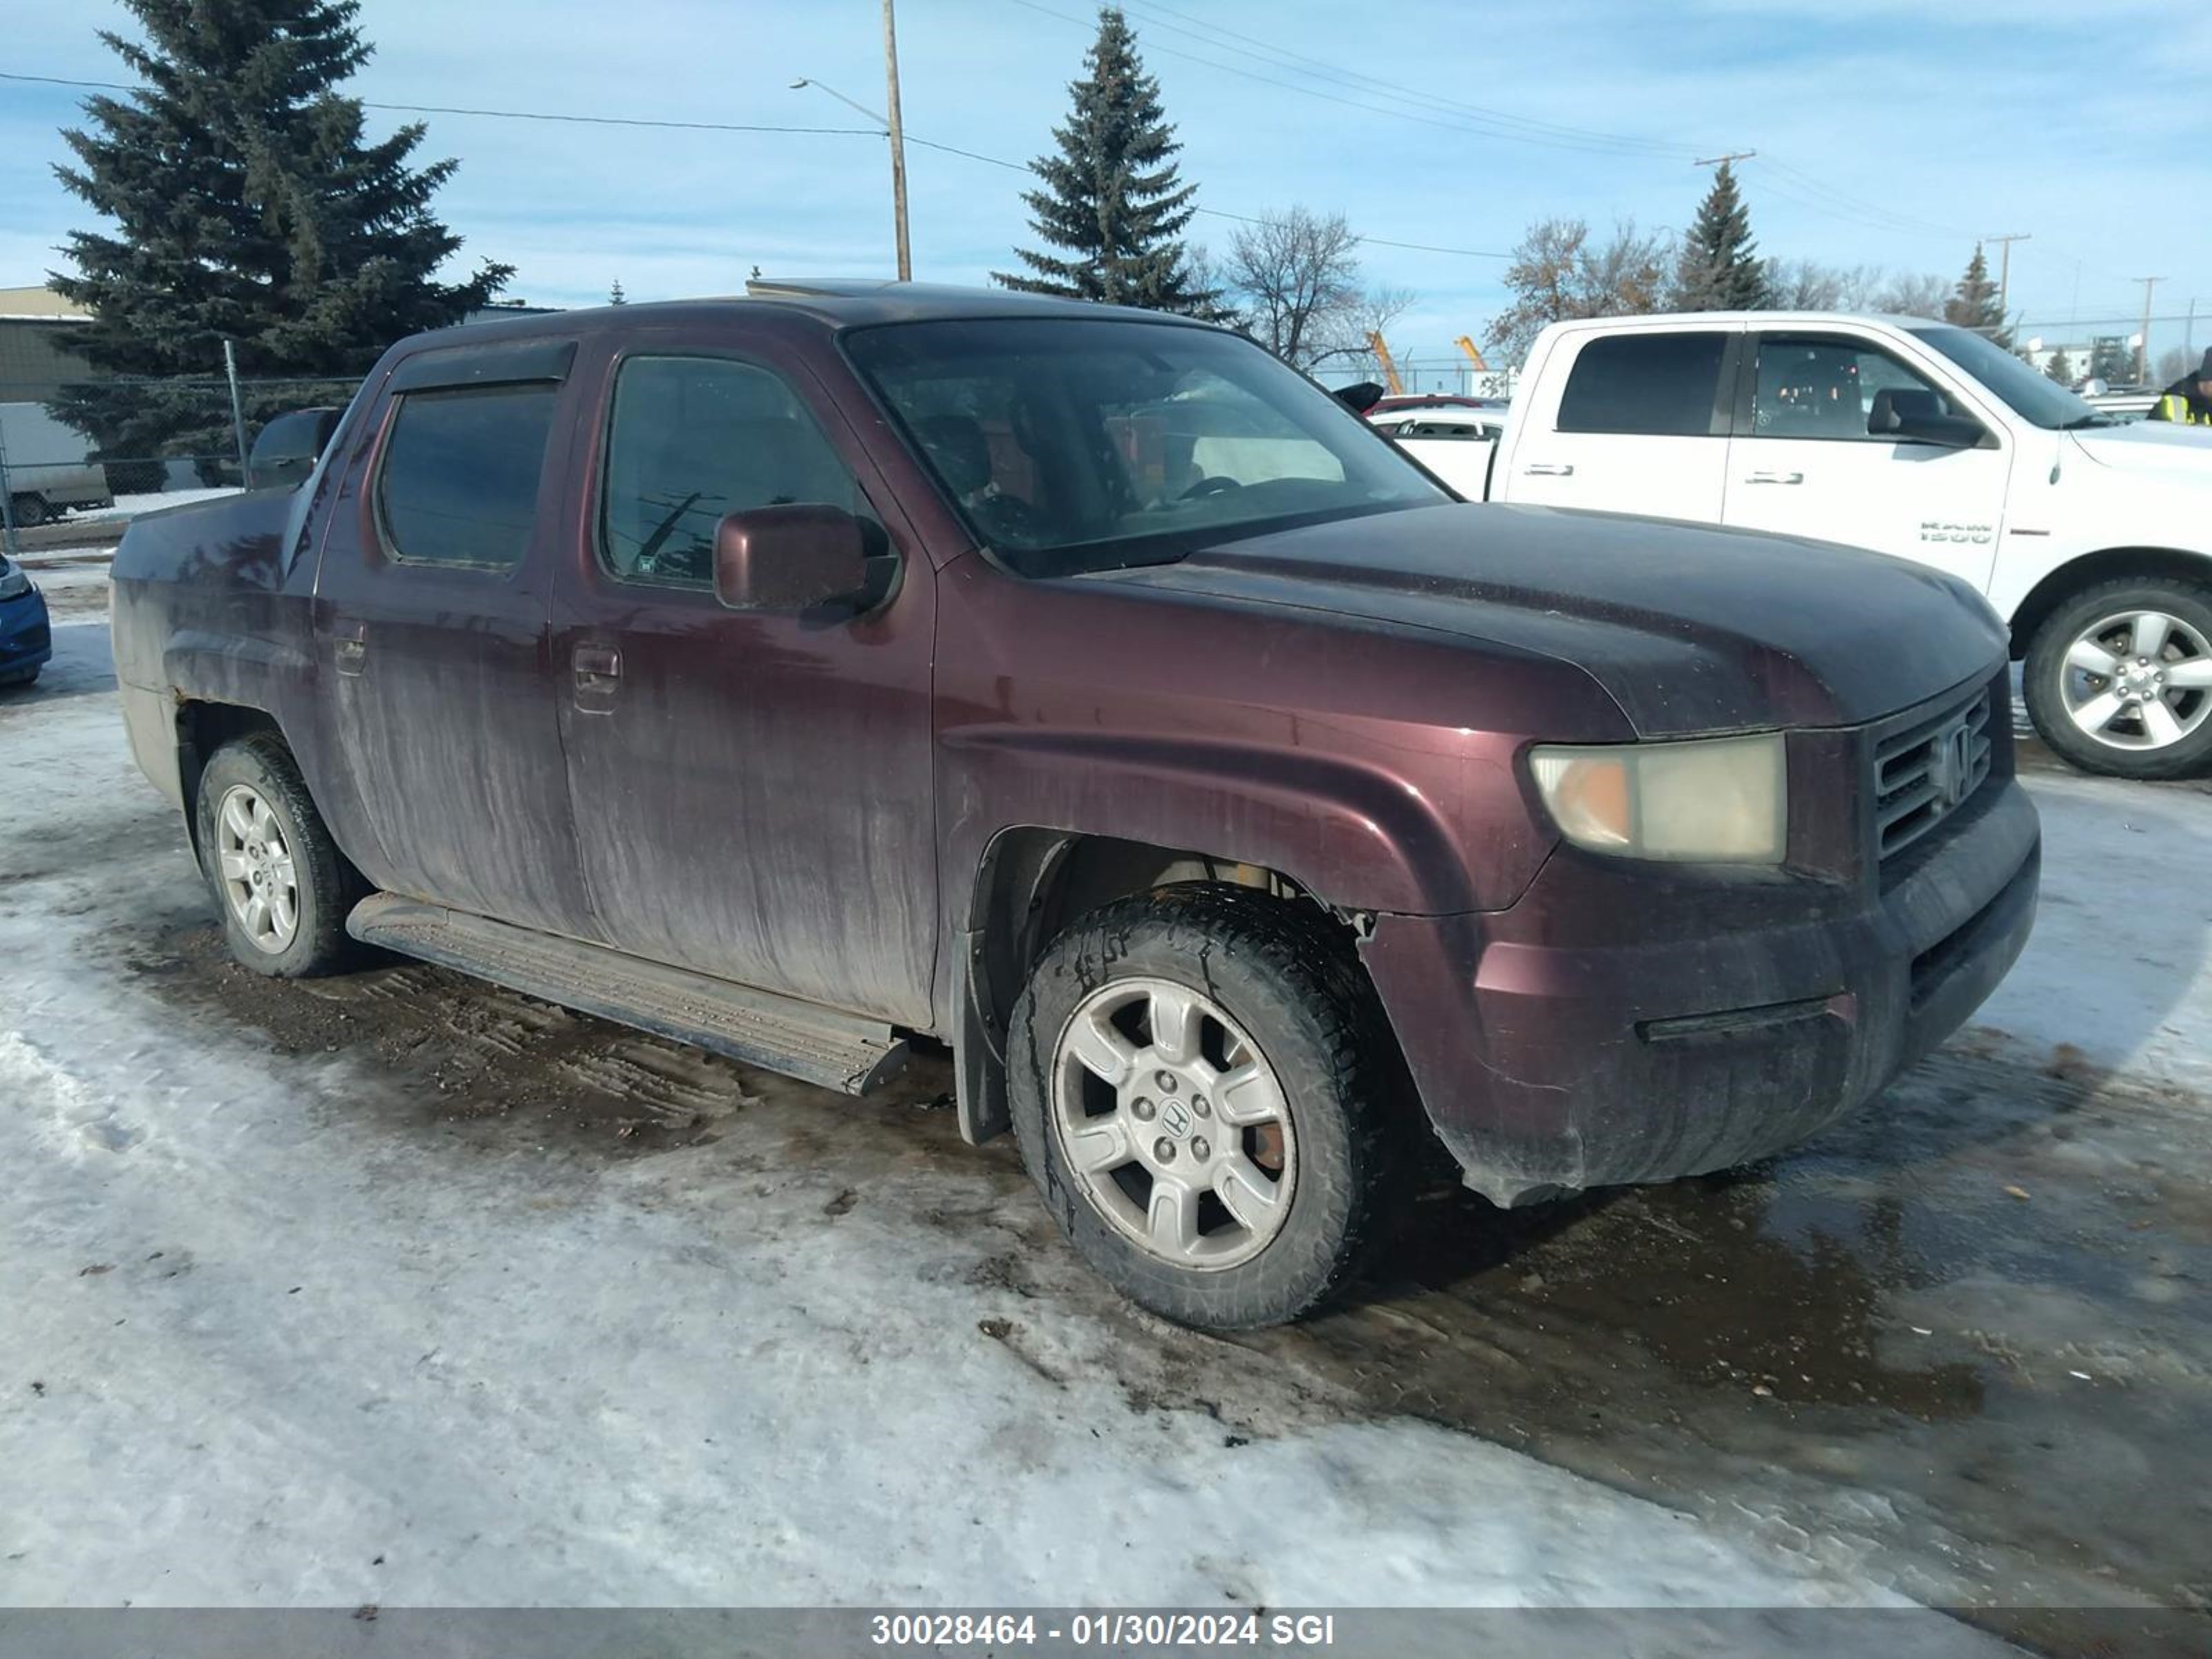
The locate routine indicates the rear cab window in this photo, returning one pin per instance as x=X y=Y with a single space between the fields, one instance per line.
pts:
x=457 y=481
x=1647 y=384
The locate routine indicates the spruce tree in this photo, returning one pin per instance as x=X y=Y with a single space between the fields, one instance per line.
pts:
x=245 y=204
x=1110 y=197
x=615 y=294
x=1719 y=268
x=1973 y=304
x=2061 y=367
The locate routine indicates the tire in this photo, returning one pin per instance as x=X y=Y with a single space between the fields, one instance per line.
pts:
x=289 y=847
x=2068 y=700
x=1290 y=1008
x=30 y=511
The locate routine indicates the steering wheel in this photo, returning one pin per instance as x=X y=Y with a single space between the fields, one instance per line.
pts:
x=1216 y=485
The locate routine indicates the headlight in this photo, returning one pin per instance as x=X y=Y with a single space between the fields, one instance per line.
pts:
x=1713 y=800
x=15 y=580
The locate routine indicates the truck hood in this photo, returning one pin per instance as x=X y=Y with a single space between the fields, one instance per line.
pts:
x=1691 y=631
x=2179 y=454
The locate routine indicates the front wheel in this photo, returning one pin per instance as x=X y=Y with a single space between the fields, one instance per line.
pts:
x=1201 y=1087
x=280 y=883
x=2118 y=679
x=30 y=511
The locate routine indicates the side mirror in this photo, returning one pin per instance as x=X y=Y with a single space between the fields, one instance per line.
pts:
x=1920 y=417
x=1359 y=397
x=287 y=448
x=798 y=558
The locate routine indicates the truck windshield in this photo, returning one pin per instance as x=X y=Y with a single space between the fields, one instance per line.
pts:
x=1071 y=446
x=2034 y=397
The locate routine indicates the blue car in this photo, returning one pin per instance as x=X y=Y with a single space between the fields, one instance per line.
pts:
x=26 y=640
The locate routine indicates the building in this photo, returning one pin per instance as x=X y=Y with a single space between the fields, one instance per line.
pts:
x=35 y=364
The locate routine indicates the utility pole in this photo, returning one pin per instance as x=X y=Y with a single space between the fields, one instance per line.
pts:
x=2004 y=265
x=2143 y=340
x=1723 y=161
x=898 y=144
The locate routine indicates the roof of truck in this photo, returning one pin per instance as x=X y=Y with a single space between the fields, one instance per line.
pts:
x=839 y=301
x=1763 y=319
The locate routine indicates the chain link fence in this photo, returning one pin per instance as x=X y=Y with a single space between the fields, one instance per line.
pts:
x=73 y=453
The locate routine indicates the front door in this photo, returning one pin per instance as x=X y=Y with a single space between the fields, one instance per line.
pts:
x=433 y=602
x=1803 y=462
x=753 y=791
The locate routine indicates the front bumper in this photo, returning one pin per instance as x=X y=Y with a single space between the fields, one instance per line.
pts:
x=1627 y=1022
x=25 y=636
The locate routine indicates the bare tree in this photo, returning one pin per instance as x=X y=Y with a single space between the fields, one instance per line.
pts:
x=1809 y=285
x=1909 y=296
x=1557 y=273
x=1297 y=274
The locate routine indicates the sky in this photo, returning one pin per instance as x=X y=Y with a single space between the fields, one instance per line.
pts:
x=1888 y=132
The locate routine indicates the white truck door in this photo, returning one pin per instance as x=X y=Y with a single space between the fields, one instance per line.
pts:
x=1633 y=422
x=1803 y=461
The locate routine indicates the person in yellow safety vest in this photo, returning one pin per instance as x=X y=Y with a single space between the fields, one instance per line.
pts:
x=2188 y=400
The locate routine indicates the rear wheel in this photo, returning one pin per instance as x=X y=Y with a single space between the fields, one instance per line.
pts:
x=1201 y=1087
x=30 y=510
x=281 y=884
x=2119 y=679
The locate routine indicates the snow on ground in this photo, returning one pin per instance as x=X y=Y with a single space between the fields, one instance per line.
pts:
x=2120 y=966
x=276 y=1332
x=129 y=506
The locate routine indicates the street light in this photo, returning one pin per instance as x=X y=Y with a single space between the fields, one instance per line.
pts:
x=893 y=129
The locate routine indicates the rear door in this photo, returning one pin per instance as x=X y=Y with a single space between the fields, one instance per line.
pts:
x=1803 y=462
x=753 y=791
x=432 y=600
x=1637 y=423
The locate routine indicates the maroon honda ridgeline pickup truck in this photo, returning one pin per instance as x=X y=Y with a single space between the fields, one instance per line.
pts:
x=805 y=675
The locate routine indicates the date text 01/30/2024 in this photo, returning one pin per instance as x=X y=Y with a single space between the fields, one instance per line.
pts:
x=1106 y=1630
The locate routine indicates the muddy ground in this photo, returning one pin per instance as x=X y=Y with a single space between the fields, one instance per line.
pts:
x=1967 y=1331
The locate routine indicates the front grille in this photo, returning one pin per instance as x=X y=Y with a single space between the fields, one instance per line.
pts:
x=1927 y=770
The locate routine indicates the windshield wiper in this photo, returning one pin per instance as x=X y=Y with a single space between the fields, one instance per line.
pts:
x=2081 y=420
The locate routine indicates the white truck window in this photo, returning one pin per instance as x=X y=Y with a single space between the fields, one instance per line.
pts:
x=1646 y=383
x=1824 y=389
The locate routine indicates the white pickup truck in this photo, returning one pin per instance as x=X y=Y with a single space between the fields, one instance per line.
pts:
x=2093 y=538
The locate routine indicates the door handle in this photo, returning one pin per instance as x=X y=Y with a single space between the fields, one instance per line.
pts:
x=350 y=646
x=598 y=670
x=1775 y=478
x=594 y=663
x=1549 y=470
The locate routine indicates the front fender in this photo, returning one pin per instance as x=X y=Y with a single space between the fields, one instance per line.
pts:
x=1352 y=833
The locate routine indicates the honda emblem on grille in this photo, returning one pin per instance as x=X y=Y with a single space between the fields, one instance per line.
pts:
x=1951 y=767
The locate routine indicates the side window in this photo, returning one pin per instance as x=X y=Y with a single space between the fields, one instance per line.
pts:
x=457 y=484
x=1649 y=384
x=694 y=438
x=1825 y=389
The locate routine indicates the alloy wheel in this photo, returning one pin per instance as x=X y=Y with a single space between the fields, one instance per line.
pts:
x=255 y=863
x=2138 y=679
x=1173 y=1124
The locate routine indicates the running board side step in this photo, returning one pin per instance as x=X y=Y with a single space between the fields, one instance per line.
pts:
x=823 y=1046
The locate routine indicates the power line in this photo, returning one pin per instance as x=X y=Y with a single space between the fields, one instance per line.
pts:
x=570 y=117
x=1321 y=69
x=503 y=114
x=1463 y=125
